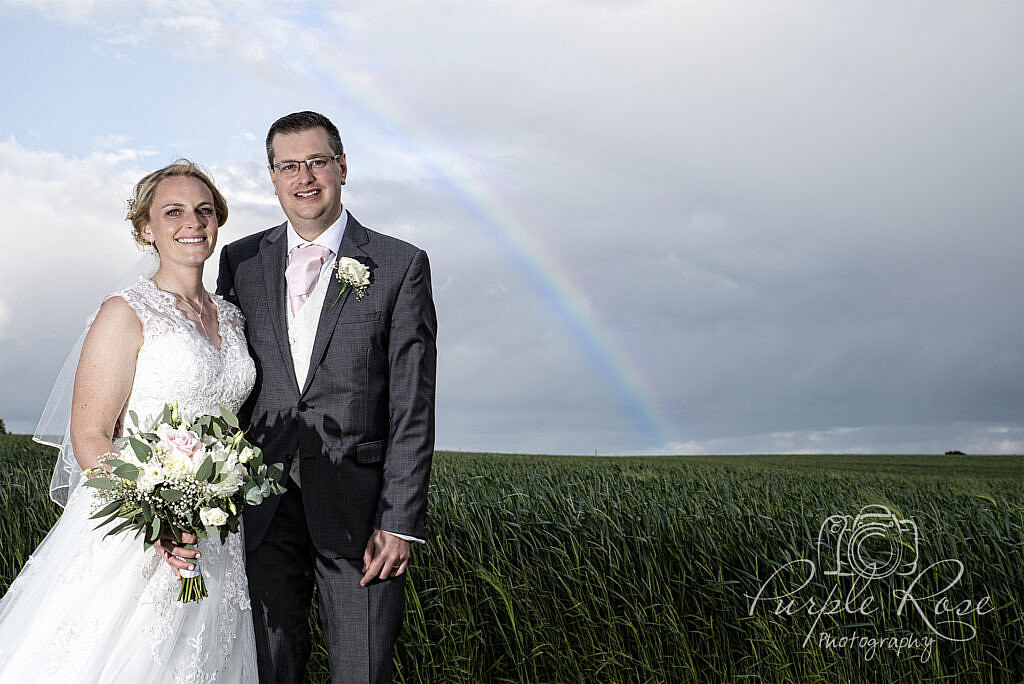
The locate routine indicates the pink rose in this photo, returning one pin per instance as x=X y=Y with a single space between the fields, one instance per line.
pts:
x=184 y=441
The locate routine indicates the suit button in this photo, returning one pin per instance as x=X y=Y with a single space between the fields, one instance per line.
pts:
x=303 y=406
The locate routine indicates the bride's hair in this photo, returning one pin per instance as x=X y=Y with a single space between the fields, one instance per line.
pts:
x=142 y=197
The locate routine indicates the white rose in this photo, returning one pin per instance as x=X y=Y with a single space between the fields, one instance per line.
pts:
x=145 y=483
x=213 y=517
x=353 y=271
x=154 y=472
x=246 y=455
x=178 y=464
x=229 y=483
x=219 y=452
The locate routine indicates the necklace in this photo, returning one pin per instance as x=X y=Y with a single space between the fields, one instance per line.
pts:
x=198 y=312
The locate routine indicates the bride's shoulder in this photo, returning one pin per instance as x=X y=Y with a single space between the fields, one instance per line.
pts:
x=115 y=317
x=143 y=300
x=139 y=293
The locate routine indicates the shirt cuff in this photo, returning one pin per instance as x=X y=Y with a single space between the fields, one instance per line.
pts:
x=405 y=537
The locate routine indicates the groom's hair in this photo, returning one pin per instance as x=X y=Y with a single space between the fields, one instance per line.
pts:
x=304 y=121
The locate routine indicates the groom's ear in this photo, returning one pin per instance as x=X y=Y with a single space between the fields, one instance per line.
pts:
x=344 y=167
x=273 y=178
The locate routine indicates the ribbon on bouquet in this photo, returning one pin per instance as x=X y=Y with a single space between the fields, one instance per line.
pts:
x=193 y=586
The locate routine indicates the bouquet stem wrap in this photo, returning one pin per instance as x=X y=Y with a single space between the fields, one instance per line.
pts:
x=193 y=586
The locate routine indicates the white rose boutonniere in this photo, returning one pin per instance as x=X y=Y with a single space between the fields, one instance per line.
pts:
x=351 y=273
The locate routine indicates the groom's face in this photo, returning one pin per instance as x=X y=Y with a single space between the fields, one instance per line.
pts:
x=311 y=201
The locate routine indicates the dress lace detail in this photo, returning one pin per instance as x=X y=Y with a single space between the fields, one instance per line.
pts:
x=176 y=363
x=90 y=608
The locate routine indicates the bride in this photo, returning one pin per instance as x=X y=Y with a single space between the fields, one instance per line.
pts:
x=90 y=608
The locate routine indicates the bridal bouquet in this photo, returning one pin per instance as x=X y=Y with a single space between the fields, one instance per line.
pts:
x=172 y=477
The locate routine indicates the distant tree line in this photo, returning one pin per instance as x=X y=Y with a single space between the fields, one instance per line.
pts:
x=3 y=428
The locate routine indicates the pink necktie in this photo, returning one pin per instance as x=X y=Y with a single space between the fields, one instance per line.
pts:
x=302 y=273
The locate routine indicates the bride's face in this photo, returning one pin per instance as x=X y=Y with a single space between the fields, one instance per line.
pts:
x=182 y=221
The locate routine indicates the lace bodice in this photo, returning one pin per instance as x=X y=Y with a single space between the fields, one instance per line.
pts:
x=176 y=363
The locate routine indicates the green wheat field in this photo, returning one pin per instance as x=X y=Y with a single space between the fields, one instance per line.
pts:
x=573 y=569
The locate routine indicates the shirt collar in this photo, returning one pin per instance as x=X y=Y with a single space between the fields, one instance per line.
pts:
x=330 y=238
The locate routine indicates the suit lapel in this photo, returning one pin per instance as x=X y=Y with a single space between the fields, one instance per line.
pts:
x=273 y=258
x=351 y=246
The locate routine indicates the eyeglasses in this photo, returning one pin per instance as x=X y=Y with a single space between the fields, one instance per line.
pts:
x=289 y=169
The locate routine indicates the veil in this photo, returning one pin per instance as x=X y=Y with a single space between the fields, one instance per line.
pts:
x=54 y=428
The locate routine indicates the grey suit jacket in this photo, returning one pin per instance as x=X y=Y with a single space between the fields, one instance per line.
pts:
x=363 y=424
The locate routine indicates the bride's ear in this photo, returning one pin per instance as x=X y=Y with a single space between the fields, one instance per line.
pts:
x=147 y=235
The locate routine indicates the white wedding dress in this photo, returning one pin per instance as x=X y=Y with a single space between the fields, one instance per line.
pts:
x=90 y=608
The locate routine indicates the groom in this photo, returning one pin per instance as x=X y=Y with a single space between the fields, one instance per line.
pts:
x=344 y=397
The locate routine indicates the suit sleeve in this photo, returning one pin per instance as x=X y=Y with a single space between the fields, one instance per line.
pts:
x=412 y=361
x=226 y=278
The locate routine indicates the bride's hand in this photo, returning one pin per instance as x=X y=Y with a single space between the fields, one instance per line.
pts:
x=178 y=557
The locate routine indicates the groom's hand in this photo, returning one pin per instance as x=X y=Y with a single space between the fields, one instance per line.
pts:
x=178 y=557
x=386 y=556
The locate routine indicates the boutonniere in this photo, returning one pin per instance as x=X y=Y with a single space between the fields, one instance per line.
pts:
x=351 y=273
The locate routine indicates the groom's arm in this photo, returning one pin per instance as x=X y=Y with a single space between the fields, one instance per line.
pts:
x=226 y=278
x=412 y=364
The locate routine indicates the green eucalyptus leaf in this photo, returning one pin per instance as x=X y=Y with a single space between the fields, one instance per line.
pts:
x=141 y=449
x=121 y=528
x=99 y=483
x=229 y=417
x=126 y=471
x=205 y=470
x=171 y=495
x=104 y=523
x=153 y=531
x=111 y=507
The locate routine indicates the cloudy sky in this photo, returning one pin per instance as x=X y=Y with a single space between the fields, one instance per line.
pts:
x=664 y=226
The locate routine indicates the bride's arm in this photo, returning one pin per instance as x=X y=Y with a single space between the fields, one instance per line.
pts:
x=104 y=378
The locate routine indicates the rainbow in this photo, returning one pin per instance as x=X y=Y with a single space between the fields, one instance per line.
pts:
x=511 y=234
x=567 y=301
